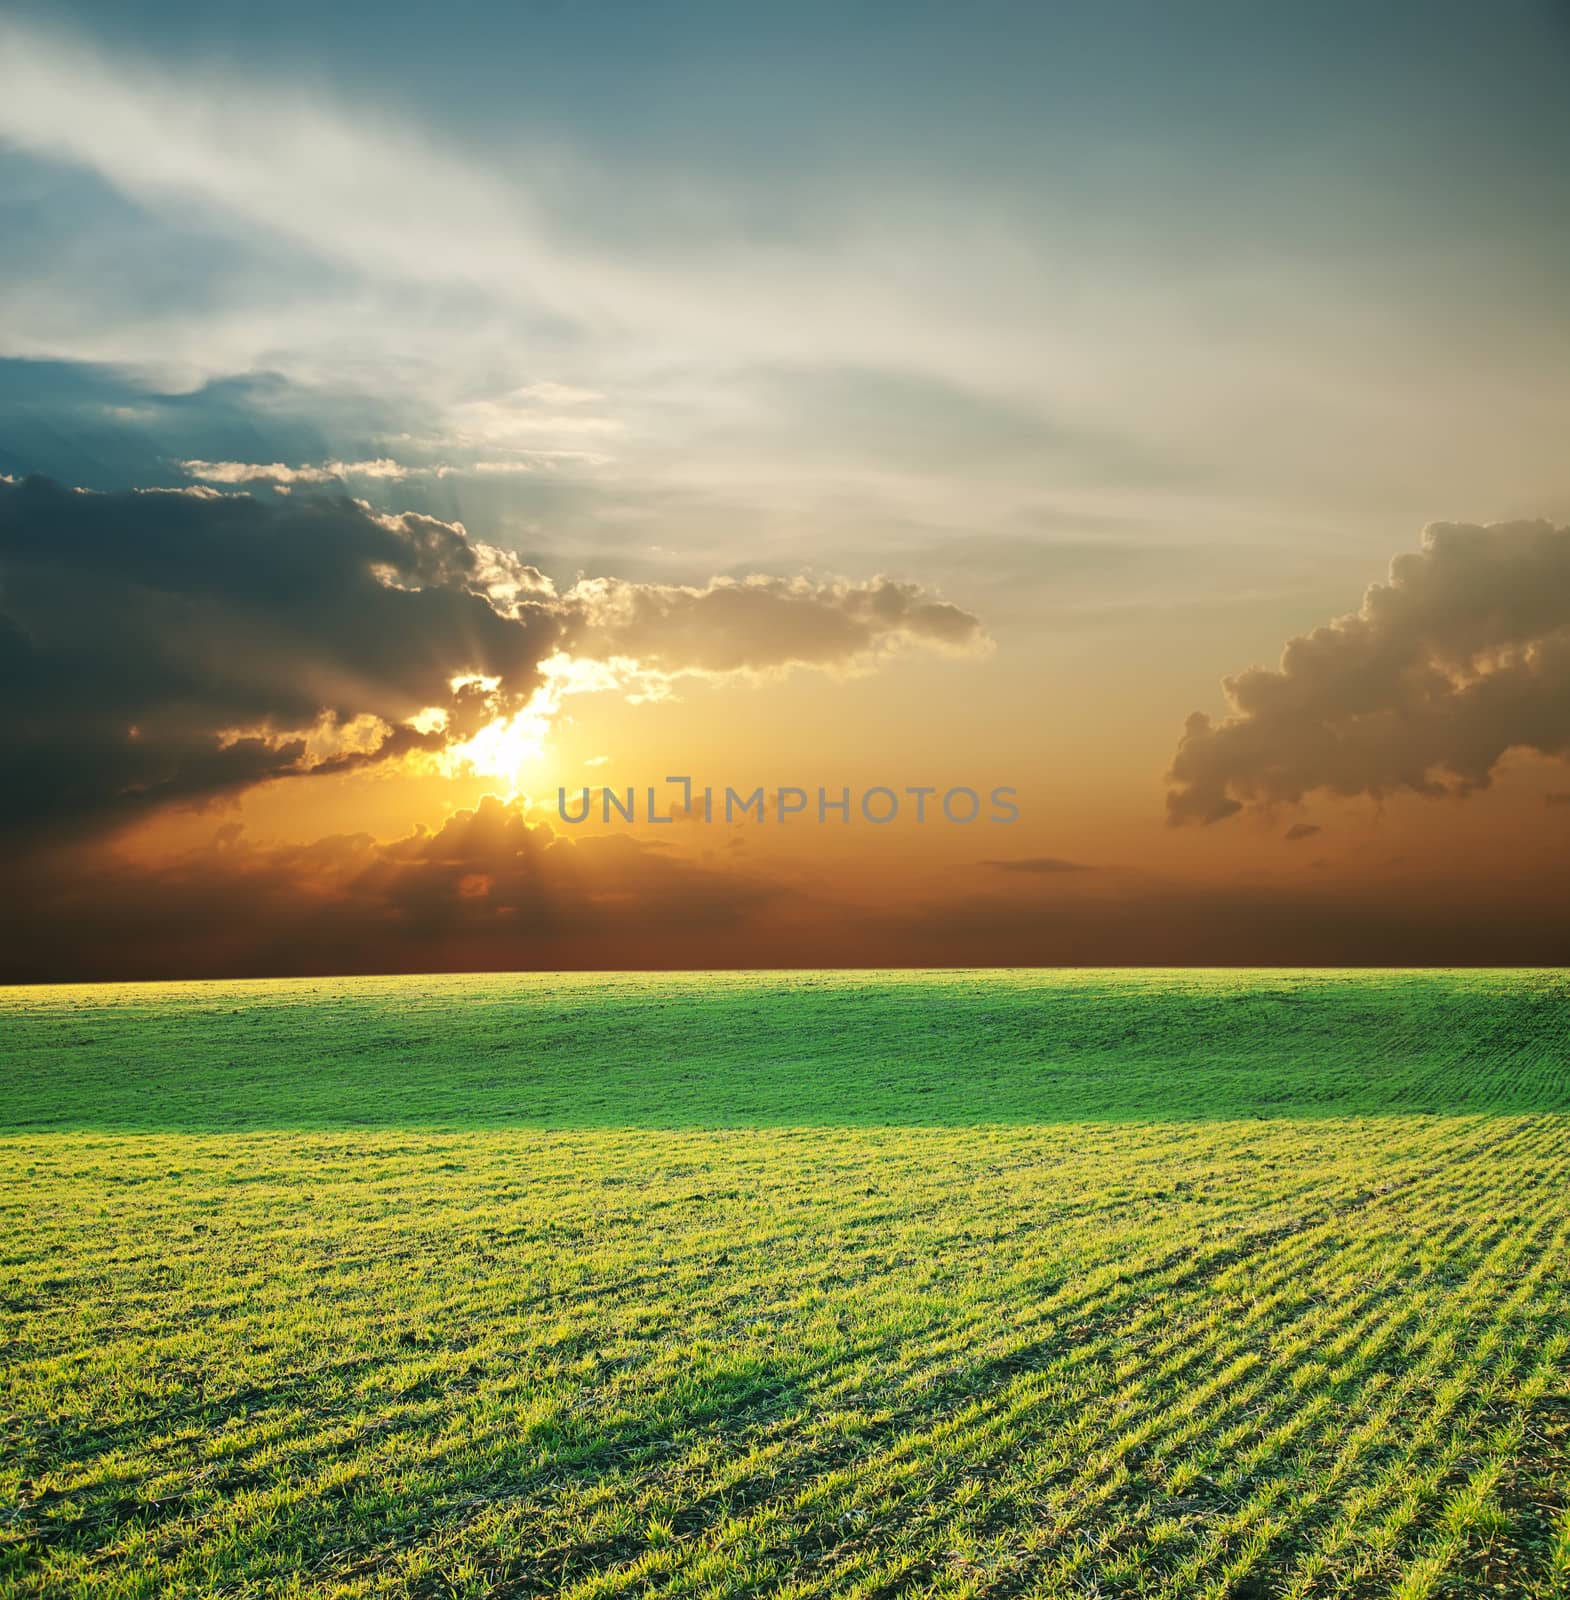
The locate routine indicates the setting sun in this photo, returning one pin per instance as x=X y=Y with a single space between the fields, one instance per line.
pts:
x=503 y=749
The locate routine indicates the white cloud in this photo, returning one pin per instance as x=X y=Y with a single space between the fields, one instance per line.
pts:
x=377 y=197
x=277 y=473
x=282 y=476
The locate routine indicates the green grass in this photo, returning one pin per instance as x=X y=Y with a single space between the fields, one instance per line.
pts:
x=808 y=1284
x=813 y=1049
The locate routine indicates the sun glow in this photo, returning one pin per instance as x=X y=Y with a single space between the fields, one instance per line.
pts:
x=510 y=746
x=505 y=749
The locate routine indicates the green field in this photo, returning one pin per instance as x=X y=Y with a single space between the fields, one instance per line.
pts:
x=1075 y=1284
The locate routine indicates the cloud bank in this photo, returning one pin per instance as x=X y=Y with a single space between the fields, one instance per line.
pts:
x=491 y=889
x=1462 y=656
x=177 y=646
x=487 y=888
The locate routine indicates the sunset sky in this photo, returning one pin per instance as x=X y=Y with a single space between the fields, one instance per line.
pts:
x=405 y=414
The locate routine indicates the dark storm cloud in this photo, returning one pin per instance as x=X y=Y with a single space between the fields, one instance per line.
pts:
x=1462 y=656
x=175 y=646
x=160 y=646
x=1300 y=830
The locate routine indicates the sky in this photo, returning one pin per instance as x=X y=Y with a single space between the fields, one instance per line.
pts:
x=408 y=417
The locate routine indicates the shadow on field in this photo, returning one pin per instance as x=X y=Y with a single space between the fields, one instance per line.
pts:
x=736 y=1050
x=718 y=1050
